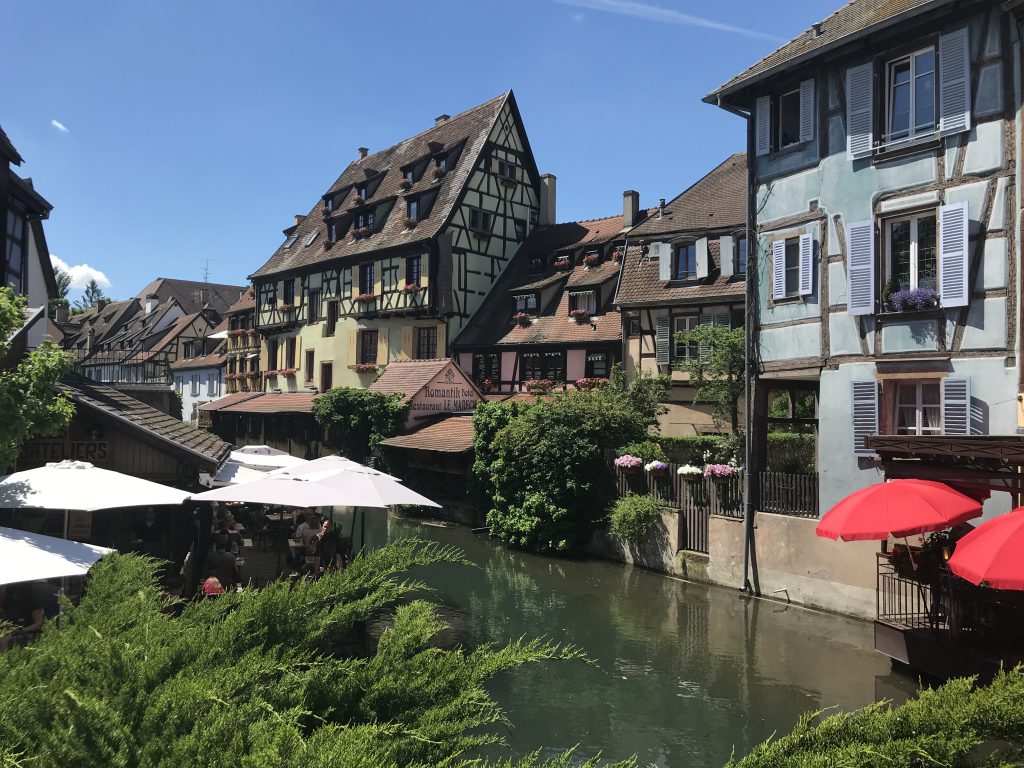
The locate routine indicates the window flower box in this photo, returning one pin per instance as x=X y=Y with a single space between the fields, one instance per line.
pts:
x=365 y=298
x=356 y=233
x=439 y=173
x=238 y=332
x=357 y=200
x=629 y=464
x=365 y=232
x=405 y=185
x=538 y=386
x=592 y=259
x=486 y=385
x=251 y=375
x=562 y=262
x=914 y=300
x=363 y=367
x=616 y=255
x=590 y=384
x=409 y=223
x=690 y=473
x=580 y=316
x=411 y=289
x=720 y=473
x=656 y=468
x=521 y=318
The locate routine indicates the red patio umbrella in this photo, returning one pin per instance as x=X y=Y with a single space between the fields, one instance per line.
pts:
x=897 y=508
x=993 y=553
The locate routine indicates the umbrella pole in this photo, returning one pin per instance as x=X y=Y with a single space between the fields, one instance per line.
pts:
x=67 y=514
x=362 y=528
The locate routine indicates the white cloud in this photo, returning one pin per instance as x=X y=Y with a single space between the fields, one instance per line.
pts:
x=664 y=16
x=59 y=126
x=81 y=274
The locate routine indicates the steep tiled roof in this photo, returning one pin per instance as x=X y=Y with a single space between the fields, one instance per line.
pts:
x=453 y=434
x=717 y=201
x=7 y=148
x=106 y=322
x=407 y=377
x=232 y=399
x=212 y=360
x=286 y=402
x=246 y=302
x=640 y=283
x=192 y=294
x=466 y=132
x=134 y=415
x=857 y=16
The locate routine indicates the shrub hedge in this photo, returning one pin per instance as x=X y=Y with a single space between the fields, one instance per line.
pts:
x=787 y=452
x=633 y=516
x=648 y=450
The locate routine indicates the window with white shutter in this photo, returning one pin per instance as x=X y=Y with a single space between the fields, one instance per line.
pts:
x=955 y=82
x=779 y=269
x=864 y=410
x=860 y=244
x=789 y=273
x=763 y=126
x=663 y=253
x=953 y=255
x=956 y=406
x=807 y=110
x=910 y=111
x=806 y=264
x=860 y=111
x=662 y=339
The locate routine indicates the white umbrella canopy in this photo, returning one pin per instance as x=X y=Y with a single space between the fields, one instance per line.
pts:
x=233 y=473
x=80 y=486
x=264 y=456
x=330 y=463
x=28 y=556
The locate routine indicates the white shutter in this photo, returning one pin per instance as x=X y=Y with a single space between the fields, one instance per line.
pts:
x=860 y=282
x=703 y=258
x=953 y=255
x=662 y=338
x=726 y=256
x=806 y=264
x=956 y=406
x=722 y=319
x=663 y=253
x=865 y=414
x=954 y=82
x=779 y=269
x=763 y=126
x=807 y=110
x=860 y=111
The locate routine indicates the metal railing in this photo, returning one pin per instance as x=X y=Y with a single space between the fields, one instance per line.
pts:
x=905 y=601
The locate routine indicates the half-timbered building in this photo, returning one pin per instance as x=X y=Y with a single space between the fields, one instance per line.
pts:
x=685 y=267
x=551 y=320
x=397 y=255
x=242 y=372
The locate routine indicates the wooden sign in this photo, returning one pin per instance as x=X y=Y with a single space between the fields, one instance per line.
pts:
x=448 y=392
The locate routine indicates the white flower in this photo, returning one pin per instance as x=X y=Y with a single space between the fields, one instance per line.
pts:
x=688 y=470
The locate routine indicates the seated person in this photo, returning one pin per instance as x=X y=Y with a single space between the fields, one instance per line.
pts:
x=305 y=533
x=222 y=564
x=149 y=533
x=212 y=586
x=18 y=606
x=328 y=548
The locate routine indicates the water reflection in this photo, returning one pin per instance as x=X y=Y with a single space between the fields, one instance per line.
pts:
x=683 y=674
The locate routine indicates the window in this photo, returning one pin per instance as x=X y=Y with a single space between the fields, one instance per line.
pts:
x=364 y=220
x=408 y=174
x=272 y=345
x=526 y=302
x=177 y=383
x=585 y=300
x=312 y=236
x=792 y=267
x=910 y=96
x=486 y=365
x=195 y=385
x=506 y=170
x=685 y=325
x=534 y=217
x=789 y=119
x=634 y=328
x=686 y=262
x=313 y=310
x=289 y=292
x=426 y=343
x=310 y=363
x=367 y=346
x=289 y=353
x=480 y=220
x=366 y=278
x=290 y=241
x=741 y=256
x=190 y=349
x=918 y=408
x=332 y=231
x=542 y=365
x=14 y=258
x=910 y=246
x=412 y=270
x=326 y=376
x=441 y=161
x=536 y=265
x=520 y=225
x=332 y=317
x=597 y=365
x=412 y=208
x=211 y=385
x=361 y=191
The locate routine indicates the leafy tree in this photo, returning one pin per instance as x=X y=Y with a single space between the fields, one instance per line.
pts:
x=63 y=286
x=356 y=420
x=90 y=296
x=29 y=404
x=258 y=678
x=645 y=394
x=717 y=372
x=633 y=516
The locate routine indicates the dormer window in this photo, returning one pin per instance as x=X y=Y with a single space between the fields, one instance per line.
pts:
x=441 y=162
x=364 y=220
x=536 y=265
x=526 y=302
x=412 y=209
x=361 y=191
x=408 y=173
x=685 y=266
x=585 y=300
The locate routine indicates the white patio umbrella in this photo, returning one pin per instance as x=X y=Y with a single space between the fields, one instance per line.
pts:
x=265 y=457
x=28 y=556
x=322 y=489
x=80 y=486
x=330 y=463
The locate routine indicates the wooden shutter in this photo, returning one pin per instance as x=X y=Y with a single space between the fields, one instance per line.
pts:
x=662 y=338
x=378 y=278
x=807 y=110
x=704 y=349
x=726 y=256
x=860 y=288
x=779 y=269
x=703 y=258
x=763 y=126
x=956 y=406
x=860 y=111
x=806 y=264
x=953 y=255
x=663 y=253
x=405 y=353
x=954 y=82
x=353 y=347
x=865 y=414
x=382 y=346
x=353 y=288
x=722 y=319
x=442 y=340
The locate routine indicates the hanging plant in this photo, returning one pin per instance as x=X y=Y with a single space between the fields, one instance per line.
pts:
x=562 y=262
x=580 y=315
x=409 y=223
x=439 y=173
x=521 y=318
x=592 y=259
x=363 y=367
x=411 y=289
x=405 y=185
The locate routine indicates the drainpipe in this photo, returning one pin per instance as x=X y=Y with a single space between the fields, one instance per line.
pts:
x=749 y=305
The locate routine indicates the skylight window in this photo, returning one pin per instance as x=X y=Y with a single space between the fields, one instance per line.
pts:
x=290 y=241
x=313 y=236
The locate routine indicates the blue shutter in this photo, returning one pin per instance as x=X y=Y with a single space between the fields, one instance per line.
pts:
x=954 y=82
x=953 y=255
x=779 y=269
x=807 y=110
x=864 y=411
x=860 y=111
x=956 y=406
x=806 y=264
x=860 y=288
x=662 y=339
x=763 y=126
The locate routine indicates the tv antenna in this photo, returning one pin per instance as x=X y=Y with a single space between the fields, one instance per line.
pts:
x=206 y=270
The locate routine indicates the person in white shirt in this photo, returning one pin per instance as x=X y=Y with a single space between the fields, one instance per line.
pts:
x=306 y=531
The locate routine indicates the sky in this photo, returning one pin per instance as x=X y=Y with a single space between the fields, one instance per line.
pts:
x=177 y=139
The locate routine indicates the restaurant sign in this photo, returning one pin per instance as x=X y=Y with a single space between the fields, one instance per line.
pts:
x=36 y=452
x=448 y=392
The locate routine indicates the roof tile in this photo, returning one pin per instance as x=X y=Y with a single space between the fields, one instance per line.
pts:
x=453 y=434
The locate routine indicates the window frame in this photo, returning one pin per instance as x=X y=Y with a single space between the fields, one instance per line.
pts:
x=288 y=292
x=421 y=346
x=485 y=223
x=484 y=364
x=16 y=215
x=412 y=208
x=590 y=301
x=413 y=275
x=588 y=367
x=913 y=135
x=332 y=316
x=794 y=244
x=309 y=364
x=552 y=364
x=914 y=218
x=676 y=251
x=692 y=349
x=363 y=344
x=526 y=302
x=918 y=429
x=326 y=375
x=779 y=114
x=741 y=255
x=366 y=286
x=313 y=306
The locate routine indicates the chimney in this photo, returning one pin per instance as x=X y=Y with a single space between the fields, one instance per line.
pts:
x=661 y=207
x=151 y=302
x=547 y=199
x=441 y=119
x=298 y=219
x=363 y=152
x=101 y=304
x=91 y=336
x=62 y=312
x=630 y=208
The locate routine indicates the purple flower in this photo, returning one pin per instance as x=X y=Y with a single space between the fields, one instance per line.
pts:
x=629 y=462
x=914 y=300
x=719 y=470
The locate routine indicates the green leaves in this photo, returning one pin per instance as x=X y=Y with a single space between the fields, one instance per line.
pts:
x=717 y=371
x=633 y=516
x=357 y=420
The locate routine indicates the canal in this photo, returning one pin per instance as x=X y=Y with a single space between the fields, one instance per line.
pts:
x=684 y=673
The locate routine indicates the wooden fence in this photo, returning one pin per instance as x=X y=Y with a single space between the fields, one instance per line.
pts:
x=786 y=494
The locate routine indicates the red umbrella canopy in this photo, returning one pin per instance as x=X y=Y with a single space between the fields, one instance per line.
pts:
x=897 y=508
x=993 y=553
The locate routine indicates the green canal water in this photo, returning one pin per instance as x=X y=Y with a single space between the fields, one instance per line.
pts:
x=683 y=673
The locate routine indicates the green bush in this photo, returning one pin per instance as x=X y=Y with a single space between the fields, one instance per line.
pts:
x=633 y=516
x=648 y=450
x=792 y=453
x=787 y=452
x=691 y=449
x=356 y=420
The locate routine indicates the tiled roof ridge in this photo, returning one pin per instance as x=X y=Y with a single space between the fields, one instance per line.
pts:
x=720 y=166
x=585 y=221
